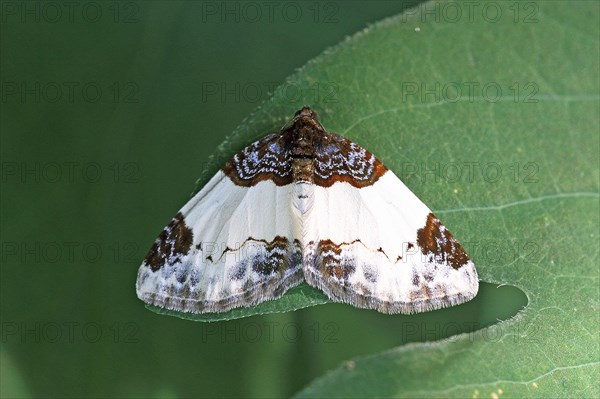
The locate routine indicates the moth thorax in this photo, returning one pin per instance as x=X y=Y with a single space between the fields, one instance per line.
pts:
x=303 y=170
x=304 y=142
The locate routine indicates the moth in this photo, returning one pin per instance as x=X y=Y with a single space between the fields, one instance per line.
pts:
x=307 y=205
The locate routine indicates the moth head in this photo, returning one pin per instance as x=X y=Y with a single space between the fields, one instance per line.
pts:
x=307 y=118
x=305 y=112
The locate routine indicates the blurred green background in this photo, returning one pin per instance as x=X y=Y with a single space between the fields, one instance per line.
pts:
x=109 y=111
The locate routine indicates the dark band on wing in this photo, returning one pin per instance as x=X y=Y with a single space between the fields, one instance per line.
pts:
x=268 y=258
x=338 y=159
x=305 y=152
x=172 y=244
x=266 y=159
x=436 y=241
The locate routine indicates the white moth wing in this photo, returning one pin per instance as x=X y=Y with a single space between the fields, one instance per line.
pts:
x=380 y=247
x=241 y=252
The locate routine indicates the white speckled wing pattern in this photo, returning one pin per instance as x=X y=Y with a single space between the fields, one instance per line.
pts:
x=338 y=159
x=266 y=159
x=305 y=204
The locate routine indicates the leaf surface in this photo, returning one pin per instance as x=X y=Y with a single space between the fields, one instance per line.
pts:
x=493 y=122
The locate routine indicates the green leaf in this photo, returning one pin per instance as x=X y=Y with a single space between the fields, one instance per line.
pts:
x=491 y=119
